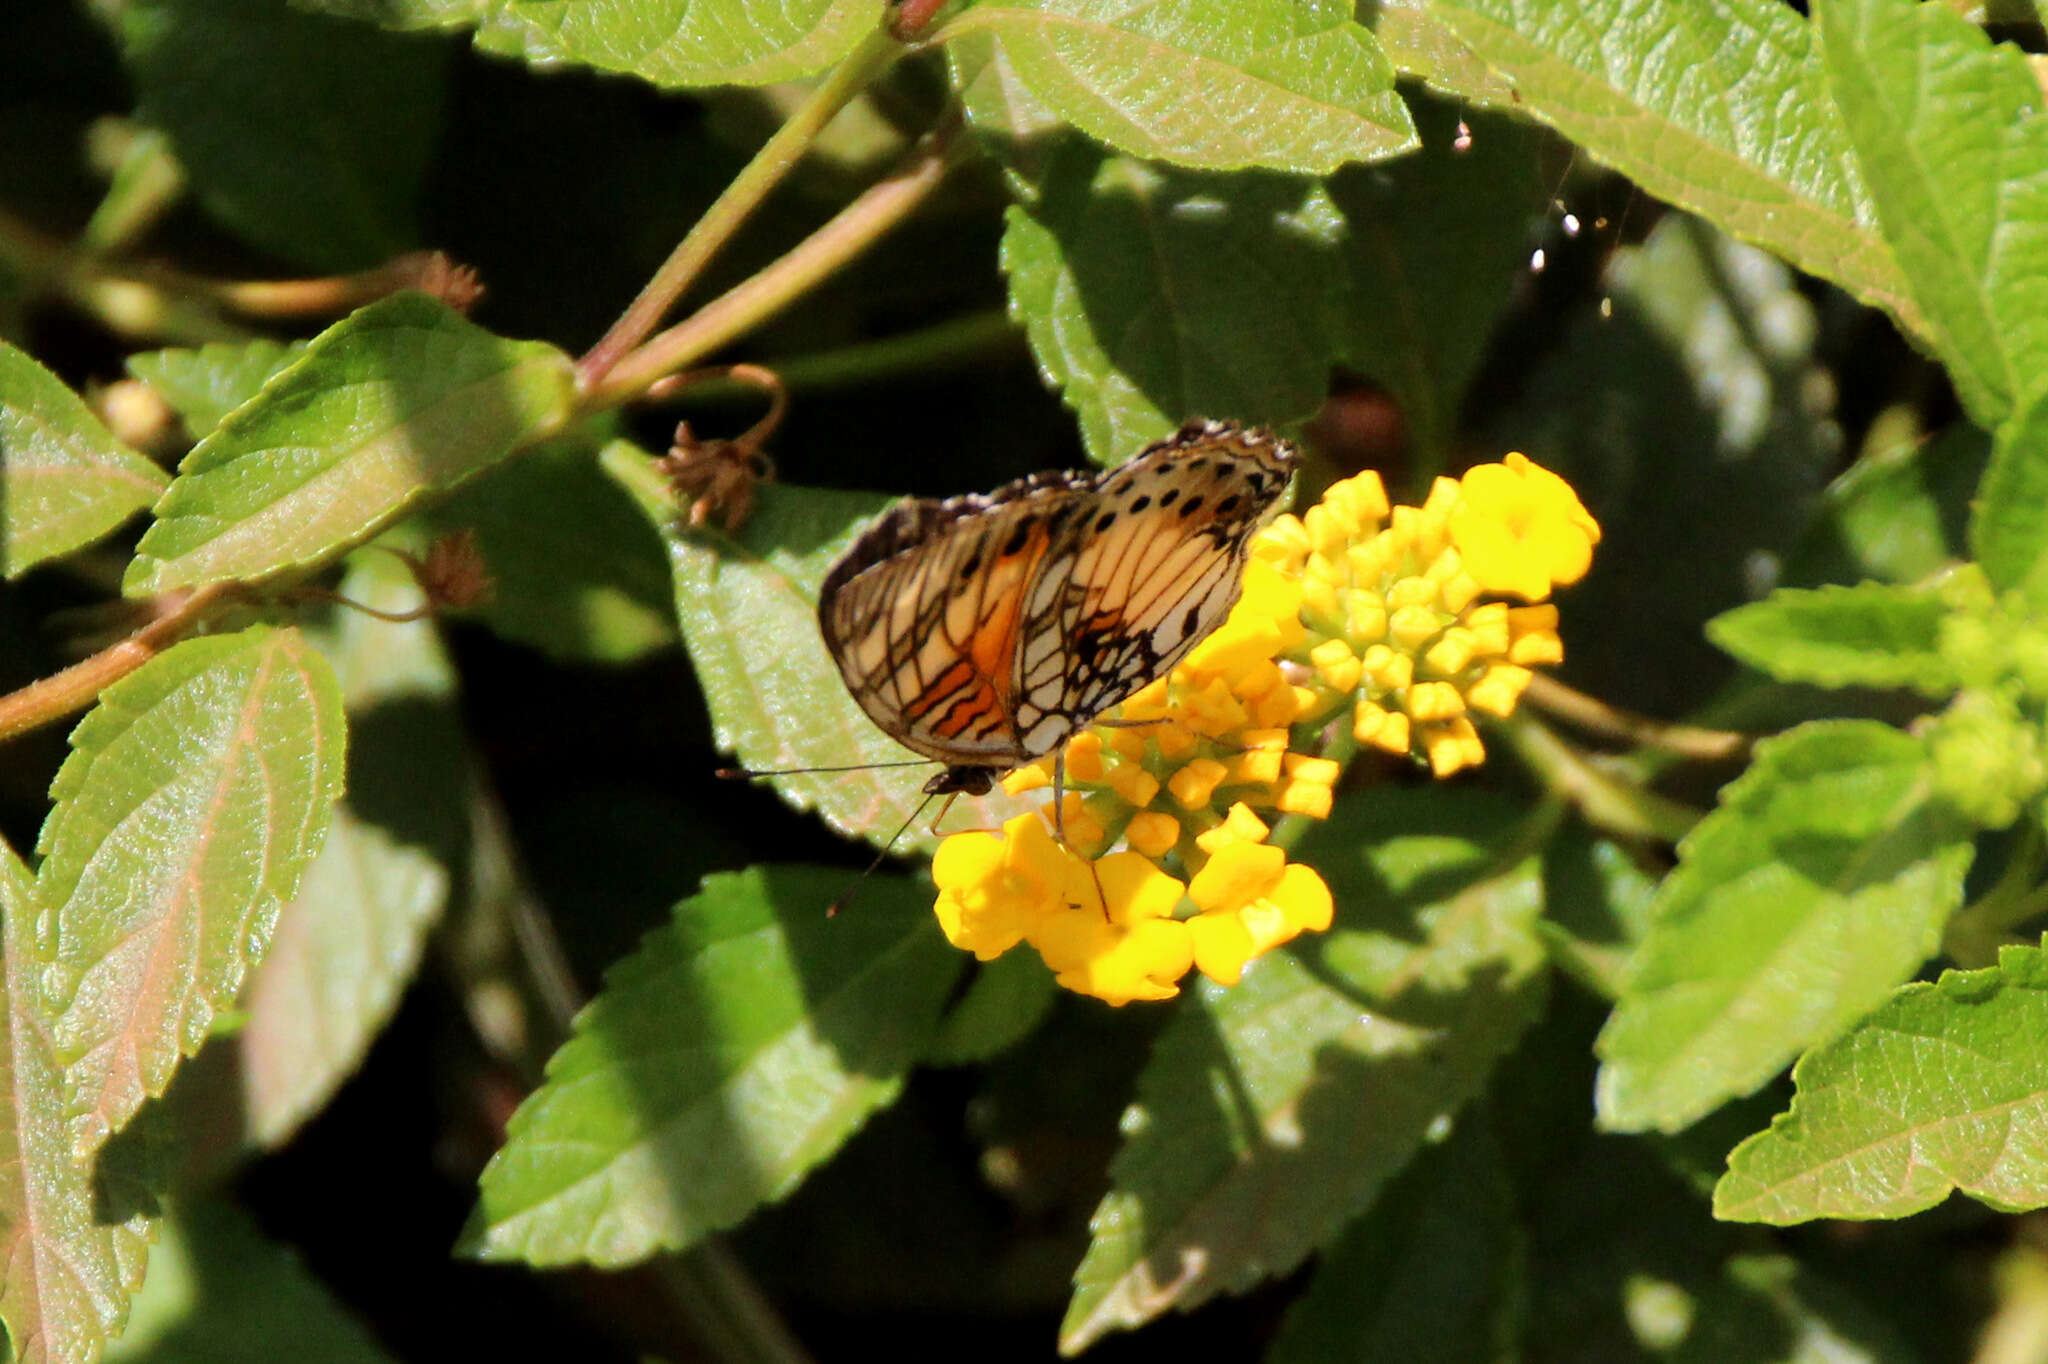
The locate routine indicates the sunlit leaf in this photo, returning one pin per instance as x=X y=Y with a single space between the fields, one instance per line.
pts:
x=65 y=1270
x=203 y=385
x=64 y=480
x=1731 y=120
x=399 y=400
x=195 y=795
x=2012 y=505
x=1944 y=1088
x=1273 y=1112
x=1949 y=132
x=1870 y=635
x=736 y=1049
x=1290 y=85
x=1820 y=884
x=684 y=43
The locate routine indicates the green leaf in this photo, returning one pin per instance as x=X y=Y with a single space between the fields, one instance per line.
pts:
x=748 y=606
x=576 y=570
x=399 y=400
x=1944 y=1088
x=64 y=480
x=195 y=794
x=204 y=385
x=1871 y=635
x=220 y=1292
x=1152 y=295
x=1821 y=882
x=1420 y=46
x=684 y=43
x=1009 y=998
x=66 y=1269
x=1435 y=244
x=1599 y=905
x=2012 y=505
x=309 y=136
x=1446 y=1231
x=1290 y=85
x=405 y=14
x=1898 y=513
x=1273 y=1112
x=1948 y=130
x=1763 y=156
x=348 y=943
x=736 y=1049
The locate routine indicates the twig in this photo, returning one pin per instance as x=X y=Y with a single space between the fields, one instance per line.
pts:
x=78 y=686
x=777 y=157
x=1592 y=714
x=748 y=304
x=1604 y=802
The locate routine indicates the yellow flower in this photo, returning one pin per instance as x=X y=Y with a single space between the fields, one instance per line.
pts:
x=1393 y=611
x=1521 y=529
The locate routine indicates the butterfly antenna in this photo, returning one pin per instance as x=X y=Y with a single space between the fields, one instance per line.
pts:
x=750 y=773
x=846 y=896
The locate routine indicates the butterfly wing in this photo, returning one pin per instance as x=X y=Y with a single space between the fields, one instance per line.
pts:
x=925 y=612
x=1154 y=566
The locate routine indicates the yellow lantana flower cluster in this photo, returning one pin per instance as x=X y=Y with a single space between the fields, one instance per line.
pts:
x=1395 y=606
x=1354 y=603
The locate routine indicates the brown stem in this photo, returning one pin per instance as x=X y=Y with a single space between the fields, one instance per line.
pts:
x=777 y=157
x=1596 y=716
x=748 y=304
x=78 y=686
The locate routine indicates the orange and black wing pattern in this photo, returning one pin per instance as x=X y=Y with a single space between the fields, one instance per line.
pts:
x=982 y=631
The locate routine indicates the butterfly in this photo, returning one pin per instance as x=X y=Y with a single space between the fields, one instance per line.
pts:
x=983 y=631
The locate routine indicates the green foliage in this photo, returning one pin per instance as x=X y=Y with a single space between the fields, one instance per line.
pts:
x=1151 y=293
x=1822 y=882
x=204 y=384
x=1241 y=1157
x=194 y=798
x=1871 y=635
x=576 y=570
x=2006 y=530
x=64 y=480
x=1290 y=85
x=1948 y=131
x=308 y=136
x=1937 y=1091
x=68 y=1269
x=733 y=1051
x=401 y=400
x=382 y=729
x=672 y=42
x=219 y=1291
x=1766 y=158
x=351 y=939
